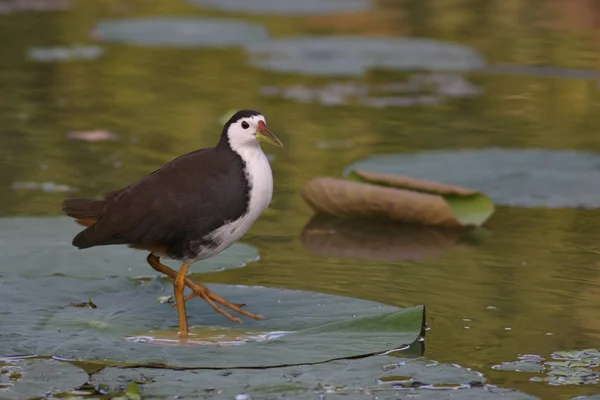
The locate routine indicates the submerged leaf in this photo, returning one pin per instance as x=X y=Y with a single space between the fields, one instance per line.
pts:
x=354 y=55
x=292 y=7
x=179 y=32
x=398 y=198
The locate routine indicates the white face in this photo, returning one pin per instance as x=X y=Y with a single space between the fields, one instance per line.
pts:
x=242 y=133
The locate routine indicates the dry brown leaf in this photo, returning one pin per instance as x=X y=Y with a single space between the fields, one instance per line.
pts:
x=346 y=198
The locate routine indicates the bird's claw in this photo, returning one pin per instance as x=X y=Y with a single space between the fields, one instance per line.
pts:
x=199 y=290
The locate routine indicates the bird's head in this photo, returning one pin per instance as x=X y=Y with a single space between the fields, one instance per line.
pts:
x=248 y=128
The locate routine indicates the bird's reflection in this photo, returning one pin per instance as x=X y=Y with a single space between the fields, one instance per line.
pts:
x=380 y=240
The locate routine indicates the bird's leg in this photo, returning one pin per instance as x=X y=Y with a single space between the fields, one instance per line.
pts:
x=201 y=291
x=155 y=263
x=178 y=287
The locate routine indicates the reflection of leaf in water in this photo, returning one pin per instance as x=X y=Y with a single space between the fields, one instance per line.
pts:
x=48 y=251
x=354 y=55
x=179 y=32
x=514 y=177
x=398 y=198
x=377 y=239
x=302 y=327
x=293 y=7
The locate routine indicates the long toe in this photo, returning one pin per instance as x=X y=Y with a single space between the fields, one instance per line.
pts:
x=199 y=290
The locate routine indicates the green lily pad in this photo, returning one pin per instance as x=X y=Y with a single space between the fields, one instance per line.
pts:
x=34 y=247
x=354 y=55
x=179 y=32
x=513 y=177
x=129 y=326
x=293 y=7
x=384 y=375
x=343 y=379
x=33 y=377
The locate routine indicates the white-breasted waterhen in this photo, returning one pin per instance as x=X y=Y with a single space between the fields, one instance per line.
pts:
x=192 y=208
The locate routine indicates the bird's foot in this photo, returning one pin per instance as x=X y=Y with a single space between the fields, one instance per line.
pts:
x=199 y=290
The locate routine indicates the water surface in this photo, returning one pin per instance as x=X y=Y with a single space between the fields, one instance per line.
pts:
x=532 y=286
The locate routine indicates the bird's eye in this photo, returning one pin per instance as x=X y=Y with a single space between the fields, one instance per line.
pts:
x=245 y=125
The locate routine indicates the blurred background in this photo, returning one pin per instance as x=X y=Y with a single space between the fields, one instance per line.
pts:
x=96 y=94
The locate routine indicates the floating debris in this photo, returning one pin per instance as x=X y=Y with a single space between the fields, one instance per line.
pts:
x=48 y=187
x=164 y=299
x=420 y=89
x=571 y=368
x=64 y=53
x=85 y=304
x=98 y=135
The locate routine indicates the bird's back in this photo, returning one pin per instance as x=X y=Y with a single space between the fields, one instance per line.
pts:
x=172 y=210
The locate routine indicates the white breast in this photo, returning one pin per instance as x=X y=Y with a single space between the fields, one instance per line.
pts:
x=260 y=178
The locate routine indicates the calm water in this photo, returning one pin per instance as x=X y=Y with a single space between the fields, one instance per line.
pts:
x=532 y=287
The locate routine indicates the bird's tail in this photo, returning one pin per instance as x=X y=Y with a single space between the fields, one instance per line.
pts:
x=85 y=212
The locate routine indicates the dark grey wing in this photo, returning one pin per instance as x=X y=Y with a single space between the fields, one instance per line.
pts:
x=186 y=199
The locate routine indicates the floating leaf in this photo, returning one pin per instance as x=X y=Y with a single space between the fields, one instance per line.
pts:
x=343 y=379
x=398 y=198
x=514 y=177
x=38 y=377
x=293 y=7
x=377 y=240
x=354 y=55
x=62 y=54
x=130 y=327
x=179 y=32
x=48 y=251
